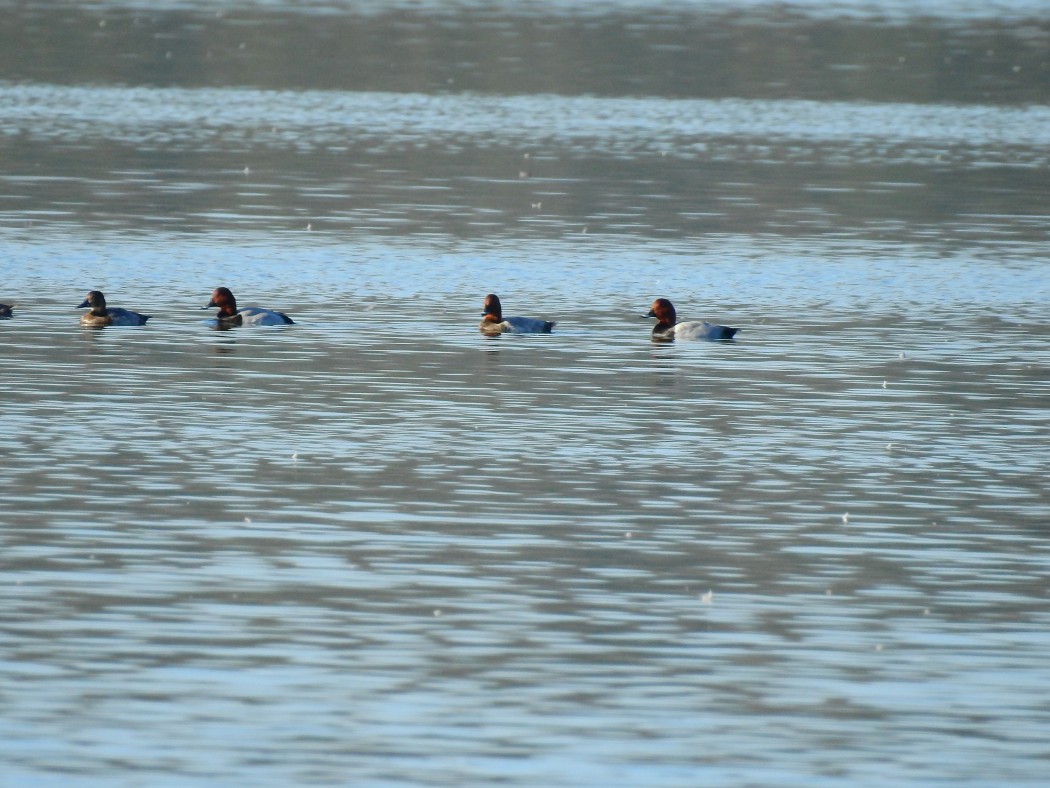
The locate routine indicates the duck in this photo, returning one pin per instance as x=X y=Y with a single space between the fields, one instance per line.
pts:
x=100 y=315
x=6 y=311
x=667 y=329
x=229 y=315
x=493 y=321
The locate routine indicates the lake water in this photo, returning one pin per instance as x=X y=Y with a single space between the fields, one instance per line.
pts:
x=380 y=548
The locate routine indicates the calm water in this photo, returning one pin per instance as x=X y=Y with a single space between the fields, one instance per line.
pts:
x=379 y=548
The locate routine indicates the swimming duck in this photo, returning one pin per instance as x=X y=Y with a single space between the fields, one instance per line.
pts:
x=229 y=315
x=6 y=311
x=667 y=329
x=493 y=321
x=100 y=315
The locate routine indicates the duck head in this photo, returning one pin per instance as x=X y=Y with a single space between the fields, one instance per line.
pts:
x=493 y=309
x=222 y=298
x=663 y=311
x=96 y=301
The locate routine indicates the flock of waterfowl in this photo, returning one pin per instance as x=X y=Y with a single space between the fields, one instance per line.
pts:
x=667 y=328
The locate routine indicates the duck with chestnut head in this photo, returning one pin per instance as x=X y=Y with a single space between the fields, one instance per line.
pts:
x=229 y=315
x=667 y=327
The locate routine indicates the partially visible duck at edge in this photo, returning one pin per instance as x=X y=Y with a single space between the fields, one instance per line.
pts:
x=100 y=315
x=494 y=322
x=667 y=329
x=6 y=311
x=229 y=315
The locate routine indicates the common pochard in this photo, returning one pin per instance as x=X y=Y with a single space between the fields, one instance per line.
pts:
x=667 y=328
x=229 y=315
x=493 y=321
x=100 y=315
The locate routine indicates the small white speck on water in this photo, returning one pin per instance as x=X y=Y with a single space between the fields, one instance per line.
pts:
x=707 y=597
x=878 y=647
x=889 y=447
x=247 y=519
x=437 y=613
x=884 y=384
x=845 y=517
x=629 y=534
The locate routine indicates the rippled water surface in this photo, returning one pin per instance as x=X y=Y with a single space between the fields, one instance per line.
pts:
x=379 y=548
